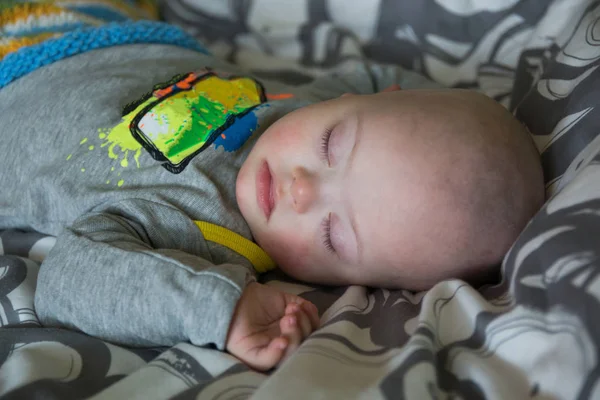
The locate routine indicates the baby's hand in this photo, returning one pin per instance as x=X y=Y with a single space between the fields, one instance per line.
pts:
x=268 y=325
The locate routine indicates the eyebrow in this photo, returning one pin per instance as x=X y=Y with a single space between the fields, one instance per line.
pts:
x=349 y=165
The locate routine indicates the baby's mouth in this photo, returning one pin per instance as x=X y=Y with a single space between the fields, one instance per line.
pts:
x=271 y=193
x=264 y=190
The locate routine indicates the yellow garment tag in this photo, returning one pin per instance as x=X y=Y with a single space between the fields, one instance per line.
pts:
x=233 y=241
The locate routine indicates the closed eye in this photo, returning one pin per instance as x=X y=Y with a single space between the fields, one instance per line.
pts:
x=325 y=145
x=326 y=228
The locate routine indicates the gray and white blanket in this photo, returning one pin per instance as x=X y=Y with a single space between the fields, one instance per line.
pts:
x=534 y=335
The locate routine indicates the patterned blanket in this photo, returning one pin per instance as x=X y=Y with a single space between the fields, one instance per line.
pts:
x=533 y=335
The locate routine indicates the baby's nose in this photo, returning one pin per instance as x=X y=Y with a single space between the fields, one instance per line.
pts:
x=304 y=190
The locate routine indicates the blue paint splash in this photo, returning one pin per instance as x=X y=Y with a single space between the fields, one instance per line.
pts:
x=238 y=133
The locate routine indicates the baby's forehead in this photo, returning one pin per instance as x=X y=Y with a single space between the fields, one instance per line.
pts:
x=379 y=196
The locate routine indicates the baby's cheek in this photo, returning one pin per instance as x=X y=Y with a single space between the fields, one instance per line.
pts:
x=288 y=137
x=291 y=253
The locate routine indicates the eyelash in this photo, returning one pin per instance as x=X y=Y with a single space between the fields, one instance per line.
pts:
x=325 y=144
x=326 y=225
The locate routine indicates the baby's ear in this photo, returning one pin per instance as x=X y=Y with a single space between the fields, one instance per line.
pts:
x=392 y=88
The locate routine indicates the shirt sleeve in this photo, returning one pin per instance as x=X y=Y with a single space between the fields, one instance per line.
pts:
x=138 y=273
x=366 y=78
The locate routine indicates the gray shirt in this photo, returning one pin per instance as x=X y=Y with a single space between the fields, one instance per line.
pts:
x=130 y=265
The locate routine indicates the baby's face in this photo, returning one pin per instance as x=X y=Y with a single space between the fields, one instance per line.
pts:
x=338 y=192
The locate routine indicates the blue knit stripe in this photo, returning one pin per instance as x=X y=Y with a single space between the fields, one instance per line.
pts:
x=27 y=59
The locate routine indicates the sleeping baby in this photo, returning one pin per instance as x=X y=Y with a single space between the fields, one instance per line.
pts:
x=171 y=178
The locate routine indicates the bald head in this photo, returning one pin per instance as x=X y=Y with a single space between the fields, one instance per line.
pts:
x=485 y=173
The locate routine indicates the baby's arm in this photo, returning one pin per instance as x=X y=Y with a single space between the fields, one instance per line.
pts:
x=127 y=274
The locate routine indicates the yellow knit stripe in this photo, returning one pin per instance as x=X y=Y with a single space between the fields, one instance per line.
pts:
x=233 y=241
x=49 y=23
x=149 y=8
x=24 y=11
x=142 y=10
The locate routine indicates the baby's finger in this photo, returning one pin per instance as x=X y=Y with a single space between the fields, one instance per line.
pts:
x=304 y=323
x=291 y=299
x=267 y=357
x=292 y=308
x=291 y=330
x=313 y=314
